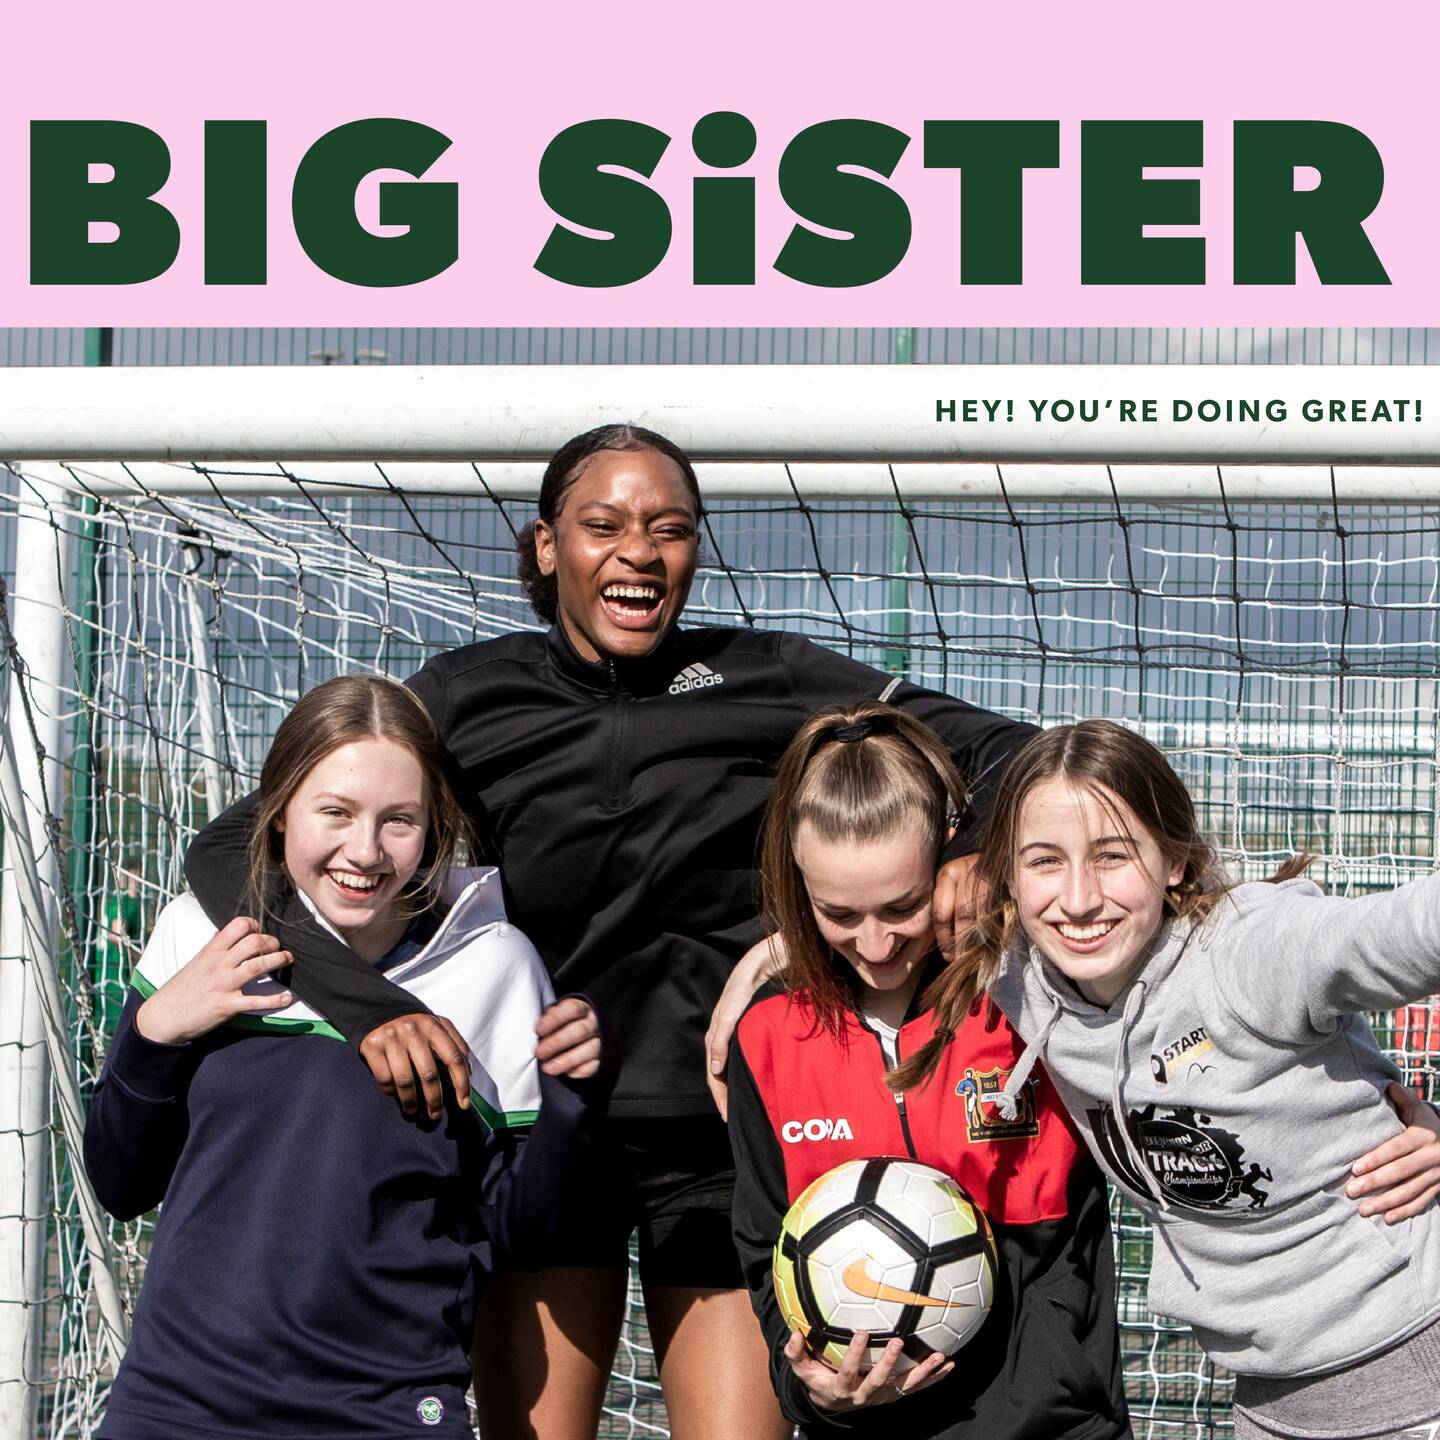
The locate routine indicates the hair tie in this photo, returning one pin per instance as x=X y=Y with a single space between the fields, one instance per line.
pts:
x=848 y=734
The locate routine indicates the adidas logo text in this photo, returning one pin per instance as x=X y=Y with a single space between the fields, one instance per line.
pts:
x=695 y=677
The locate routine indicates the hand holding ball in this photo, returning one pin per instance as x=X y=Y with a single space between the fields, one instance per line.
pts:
x=890 y=1247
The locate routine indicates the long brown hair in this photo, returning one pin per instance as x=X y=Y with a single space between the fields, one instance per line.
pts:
x=1109 y=761
x=855 y=775
x=343 y=710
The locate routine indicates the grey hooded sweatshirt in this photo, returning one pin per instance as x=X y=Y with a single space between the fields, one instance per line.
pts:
x=1247 y=1084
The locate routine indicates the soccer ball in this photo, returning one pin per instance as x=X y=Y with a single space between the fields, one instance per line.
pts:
x=890 y=1247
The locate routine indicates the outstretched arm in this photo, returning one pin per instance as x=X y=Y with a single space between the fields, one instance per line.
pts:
x=1297 y=961
x=981 y=742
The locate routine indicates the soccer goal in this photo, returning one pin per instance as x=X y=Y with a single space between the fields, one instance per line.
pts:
x=194 y=549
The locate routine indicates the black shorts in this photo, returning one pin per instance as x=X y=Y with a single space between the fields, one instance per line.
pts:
x=672 y=1180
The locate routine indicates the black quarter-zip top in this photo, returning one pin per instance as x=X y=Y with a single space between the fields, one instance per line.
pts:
x=622 y=801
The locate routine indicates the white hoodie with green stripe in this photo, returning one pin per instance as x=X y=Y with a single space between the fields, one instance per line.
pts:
x=1248 y=1084
x=477 y=970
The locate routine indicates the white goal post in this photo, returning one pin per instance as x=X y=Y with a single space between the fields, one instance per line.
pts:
x=194 y=546
x=885 y=413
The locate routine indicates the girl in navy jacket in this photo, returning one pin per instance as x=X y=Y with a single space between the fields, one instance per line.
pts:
x=316 y=1264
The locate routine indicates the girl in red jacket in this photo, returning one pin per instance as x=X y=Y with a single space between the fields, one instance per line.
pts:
x=864 y=801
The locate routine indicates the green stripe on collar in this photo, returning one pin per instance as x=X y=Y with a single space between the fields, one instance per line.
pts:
x=490 y=1117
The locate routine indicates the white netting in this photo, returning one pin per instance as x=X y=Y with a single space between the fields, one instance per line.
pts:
x=1286 y=657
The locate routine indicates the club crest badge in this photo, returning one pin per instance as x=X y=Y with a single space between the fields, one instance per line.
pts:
x=980 y=1089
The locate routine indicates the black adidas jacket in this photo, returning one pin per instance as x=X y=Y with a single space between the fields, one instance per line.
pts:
x=622 y=802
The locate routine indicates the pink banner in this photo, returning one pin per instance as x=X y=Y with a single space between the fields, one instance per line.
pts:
x=500 y=83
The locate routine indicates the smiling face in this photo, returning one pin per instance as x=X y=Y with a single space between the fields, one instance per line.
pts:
x=871 y=901
x=354 y=833
x=622 y=549
x=1089 y=885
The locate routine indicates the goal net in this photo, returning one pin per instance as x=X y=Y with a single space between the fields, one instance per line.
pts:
x=1276 y=632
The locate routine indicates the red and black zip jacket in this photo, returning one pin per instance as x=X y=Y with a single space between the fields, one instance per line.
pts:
x=1046 y=1363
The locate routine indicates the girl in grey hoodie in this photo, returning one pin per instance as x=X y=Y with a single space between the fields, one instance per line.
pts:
x=1208 y=1042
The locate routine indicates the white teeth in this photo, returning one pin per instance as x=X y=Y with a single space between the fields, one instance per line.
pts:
x=360 y=883
x=1087 y=932
x=631 y=592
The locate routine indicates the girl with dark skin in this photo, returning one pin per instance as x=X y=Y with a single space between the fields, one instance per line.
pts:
x=616 y=769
